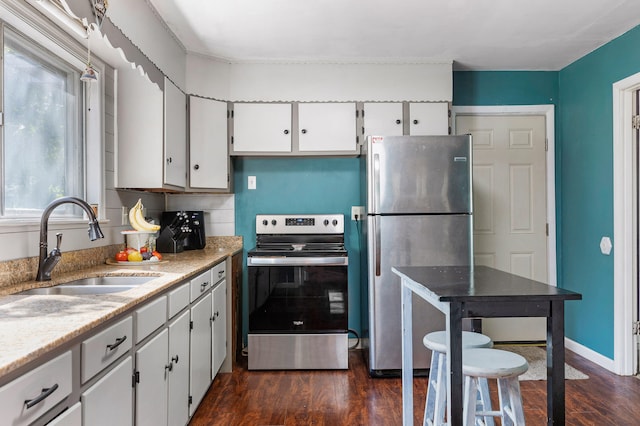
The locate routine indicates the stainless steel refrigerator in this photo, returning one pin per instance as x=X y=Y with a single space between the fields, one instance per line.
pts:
x=419 y=212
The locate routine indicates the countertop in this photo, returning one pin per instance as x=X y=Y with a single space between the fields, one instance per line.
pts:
x=33 y=325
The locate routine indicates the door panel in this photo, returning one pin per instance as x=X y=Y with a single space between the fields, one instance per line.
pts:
x=509 y=196
x=408 y=240
x=419 y=175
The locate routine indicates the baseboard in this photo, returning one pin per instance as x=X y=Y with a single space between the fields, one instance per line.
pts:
x=590 y=354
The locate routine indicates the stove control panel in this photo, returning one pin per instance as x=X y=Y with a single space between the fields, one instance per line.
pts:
x=300 y=224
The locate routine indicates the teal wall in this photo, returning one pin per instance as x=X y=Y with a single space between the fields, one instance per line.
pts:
x=587 y=186
x=304 y=186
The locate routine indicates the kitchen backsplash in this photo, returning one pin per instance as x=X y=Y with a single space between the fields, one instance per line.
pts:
x=20 y=270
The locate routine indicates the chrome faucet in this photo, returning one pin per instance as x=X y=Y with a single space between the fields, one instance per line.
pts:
x=48 y=262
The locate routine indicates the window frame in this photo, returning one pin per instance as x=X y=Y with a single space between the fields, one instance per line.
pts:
x=25 y=20
x=75 y=158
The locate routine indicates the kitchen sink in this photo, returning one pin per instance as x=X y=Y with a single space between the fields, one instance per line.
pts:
x=93 y=285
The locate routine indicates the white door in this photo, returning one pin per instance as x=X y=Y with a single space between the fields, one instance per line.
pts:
x=325 y=127
x=261 y=128
x=178 y=398
x=200 y=365
x=208 y=149
x=382 y=119
x=175 y=135
x=151 y=390
x=219 y=327
x=429 y=118
x=509 y=196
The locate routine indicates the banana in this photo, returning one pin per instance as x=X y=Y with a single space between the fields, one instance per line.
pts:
x=138 y=222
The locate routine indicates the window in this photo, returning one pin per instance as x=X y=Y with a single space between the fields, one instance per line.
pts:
x=42 y=149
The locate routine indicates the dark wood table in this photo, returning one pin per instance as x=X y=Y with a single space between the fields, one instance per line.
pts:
x=481 y=292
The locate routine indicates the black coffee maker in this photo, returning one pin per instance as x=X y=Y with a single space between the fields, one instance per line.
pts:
x=181 y=230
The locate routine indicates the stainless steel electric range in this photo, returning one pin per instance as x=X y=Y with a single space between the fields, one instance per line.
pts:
x=298 y=281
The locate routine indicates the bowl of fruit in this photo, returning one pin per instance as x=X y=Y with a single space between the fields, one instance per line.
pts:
x=134 y=257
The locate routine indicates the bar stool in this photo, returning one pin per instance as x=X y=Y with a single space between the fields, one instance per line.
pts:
x=485 y=363
x=436 y=402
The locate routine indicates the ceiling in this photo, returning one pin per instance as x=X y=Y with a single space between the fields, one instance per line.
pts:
x=474 y=34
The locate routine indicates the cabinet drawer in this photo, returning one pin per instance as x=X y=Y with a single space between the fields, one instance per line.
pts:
x=105 y=347
x=50 y=383
x=71 y=417
x=200 y=284
x=150 y=317
x=178 y=299
x=218 y=272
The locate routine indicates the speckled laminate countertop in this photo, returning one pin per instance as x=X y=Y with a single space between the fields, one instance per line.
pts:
x=33 y=325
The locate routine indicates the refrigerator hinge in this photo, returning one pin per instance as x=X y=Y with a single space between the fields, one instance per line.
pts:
x=635 y=122
x=636 y=328
x=546 y=229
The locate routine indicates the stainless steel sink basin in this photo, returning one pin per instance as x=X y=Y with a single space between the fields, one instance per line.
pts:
x=93 y=285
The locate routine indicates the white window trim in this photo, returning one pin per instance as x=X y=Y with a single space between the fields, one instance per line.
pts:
x=25 y=19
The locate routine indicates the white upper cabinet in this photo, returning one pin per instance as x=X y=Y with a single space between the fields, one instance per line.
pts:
x=383 y=119
x=208 y=146
x=151 y=140
x=175 y=135
x=429 y=118
x=261 y=128
x=327 y=127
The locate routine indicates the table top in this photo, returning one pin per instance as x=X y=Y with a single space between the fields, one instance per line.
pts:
x=480 y=283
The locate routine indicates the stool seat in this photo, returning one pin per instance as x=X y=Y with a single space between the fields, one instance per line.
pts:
x=435 y=405
x=492 y=363
x=480 y=364
x=437 y=341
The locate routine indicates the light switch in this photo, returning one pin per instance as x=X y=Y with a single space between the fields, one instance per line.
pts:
x=251 y=182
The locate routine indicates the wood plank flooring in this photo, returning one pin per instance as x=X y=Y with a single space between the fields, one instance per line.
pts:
x=351 y=397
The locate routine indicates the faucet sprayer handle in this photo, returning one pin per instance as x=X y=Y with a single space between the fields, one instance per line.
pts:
x=58 y=240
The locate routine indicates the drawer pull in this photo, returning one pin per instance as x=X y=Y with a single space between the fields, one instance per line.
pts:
x=174 y=359
x=45 y=393
x=118 y=342
x=203 y=286
x=220 y=273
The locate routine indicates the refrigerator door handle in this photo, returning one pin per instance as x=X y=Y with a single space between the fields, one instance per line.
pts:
x=376 y=233
x=376 y=183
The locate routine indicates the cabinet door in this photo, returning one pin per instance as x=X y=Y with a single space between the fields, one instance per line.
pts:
x=178 y=403
x=140 y=131
x=429 y=118
x=110 y=401
x=200 y=372
x=175 y=135
x=208 y=154
x=261 y=128
x=219 y=327
x=325 y=127
x=383 y=119
x=151 y=388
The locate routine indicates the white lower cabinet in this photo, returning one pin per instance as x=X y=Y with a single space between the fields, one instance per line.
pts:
x=27 y=398
x=110 y=400
x=178 y=404
x=152 y=371
x=71 y=417
x=218 y=327
x=200 y=347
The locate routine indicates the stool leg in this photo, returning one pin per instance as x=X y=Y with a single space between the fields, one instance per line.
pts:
x=511 y=402
x=470 y=400
x=441 y=391
x=485 y=400
x=430 y=404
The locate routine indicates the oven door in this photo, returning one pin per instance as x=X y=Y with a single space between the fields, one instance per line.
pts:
x=298 y=294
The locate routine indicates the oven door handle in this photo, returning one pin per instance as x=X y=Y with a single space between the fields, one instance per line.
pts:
x=297 y=261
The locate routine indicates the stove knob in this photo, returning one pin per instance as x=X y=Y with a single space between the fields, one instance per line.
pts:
x=265 y=222
x=326 y=222
x=335 y=222
x=273 y=222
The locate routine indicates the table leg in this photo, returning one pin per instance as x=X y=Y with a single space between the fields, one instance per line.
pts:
x=555 y=365
x=454 y=365
x=407 y=356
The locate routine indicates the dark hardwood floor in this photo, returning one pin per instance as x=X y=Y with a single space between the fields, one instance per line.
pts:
x=351 y=397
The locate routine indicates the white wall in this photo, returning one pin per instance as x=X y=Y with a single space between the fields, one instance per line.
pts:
x=219 y=212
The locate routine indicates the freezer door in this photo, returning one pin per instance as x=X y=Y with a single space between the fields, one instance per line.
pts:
x=408 y=241
x=419 y=174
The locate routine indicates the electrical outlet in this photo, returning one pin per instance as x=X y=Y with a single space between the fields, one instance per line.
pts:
x=125 y=216
x=357 y=211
